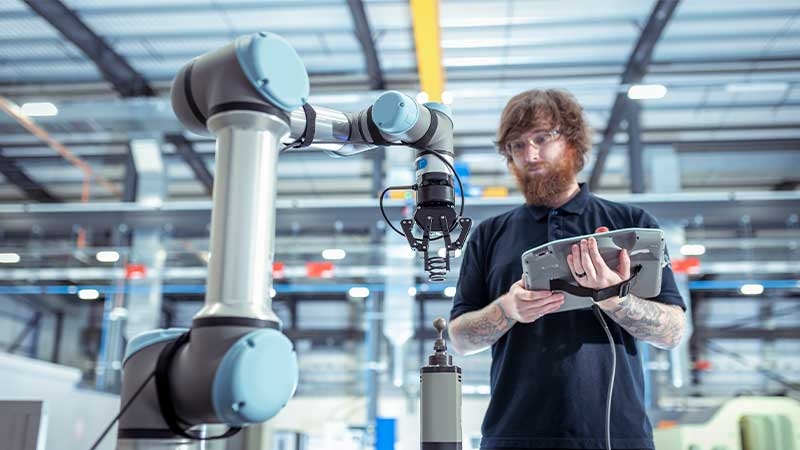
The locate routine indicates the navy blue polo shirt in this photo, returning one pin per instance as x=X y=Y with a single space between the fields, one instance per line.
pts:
x=549 y=378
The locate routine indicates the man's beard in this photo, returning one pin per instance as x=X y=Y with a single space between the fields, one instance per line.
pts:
x=543 y=187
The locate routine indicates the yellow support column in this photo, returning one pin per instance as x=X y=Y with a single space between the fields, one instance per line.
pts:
x=427 y=40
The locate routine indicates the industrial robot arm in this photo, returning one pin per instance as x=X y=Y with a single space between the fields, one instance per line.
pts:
x=396 y=119
x=234 y=366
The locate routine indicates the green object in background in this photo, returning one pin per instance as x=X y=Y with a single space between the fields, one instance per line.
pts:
x=766 y=432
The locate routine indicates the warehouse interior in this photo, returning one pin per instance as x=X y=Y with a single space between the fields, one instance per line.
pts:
x=106 y=201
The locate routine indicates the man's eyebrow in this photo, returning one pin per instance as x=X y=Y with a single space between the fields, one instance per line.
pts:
x=535 y=131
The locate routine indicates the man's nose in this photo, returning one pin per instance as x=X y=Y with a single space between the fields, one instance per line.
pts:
x=531 y=152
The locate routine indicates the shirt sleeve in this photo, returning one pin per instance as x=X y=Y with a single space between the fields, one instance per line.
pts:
x=471 y=290
x=669 y=289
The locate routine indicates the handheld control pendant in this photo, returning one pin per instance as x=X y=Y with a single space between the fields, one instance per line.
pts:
x=440 y=398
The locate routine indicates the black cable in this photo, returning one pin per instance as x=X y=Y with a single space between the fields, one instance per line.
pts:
x=296 y=144
x=122 y=410
x=425 y=151
x=435 y=153
x=602 y=320
x=450 y=167
x=380 y=203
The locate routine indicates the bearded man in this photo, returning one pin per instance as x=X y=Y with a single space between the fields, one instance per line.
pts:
x=550 y=372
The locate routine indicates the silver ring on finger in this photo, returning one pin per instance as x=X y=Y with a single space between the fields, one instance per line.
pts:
x=580 y=275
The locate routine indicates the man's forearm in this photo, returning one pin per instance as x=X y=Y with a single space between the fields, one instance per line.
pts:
x=476 y=330
x=657 y=323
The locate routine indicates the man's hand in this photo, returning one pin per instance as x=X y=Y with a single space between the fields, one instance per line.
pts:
x=659 y=324
x=474 y=331
x=589 y=269
x=527 y=306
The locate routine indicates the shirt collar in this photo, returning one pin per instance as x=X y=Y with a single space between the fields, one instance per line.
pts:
x=575 y=205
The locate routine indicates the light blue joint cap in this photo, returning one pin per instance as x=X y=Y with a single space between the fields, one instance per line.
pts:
x=395 y=112
x=255 y=378
x=274 y=68
x=441 y=107
x=149 y=338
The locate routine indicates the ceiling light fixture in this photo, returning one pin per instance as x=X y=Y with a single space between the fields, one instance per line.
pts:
x=39 y=109
x=88 y=294
x=647 y=91
x=107 y=256
x=9 y=258
x=693 y=249
x=334 y=253
x=751 y=289
x=358 y=292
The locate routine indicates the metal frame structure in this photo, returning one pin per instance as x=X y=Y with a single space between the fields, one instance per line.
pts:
x=17 y=176
x=635 y=69
x=125 y=79
x=184 y=148
x=364 y=35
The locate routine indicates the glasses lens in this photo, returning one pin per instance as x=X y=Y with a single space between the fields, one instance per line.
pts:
x=538 y=140
x=516 y=146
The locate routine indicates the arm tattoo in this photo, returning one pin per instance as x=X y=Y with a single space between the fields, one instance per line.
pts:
x=485 y=327
x=657 y=323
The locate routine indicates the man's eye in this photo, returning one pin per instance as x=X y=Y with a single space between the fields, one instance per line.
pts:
x=539 y=140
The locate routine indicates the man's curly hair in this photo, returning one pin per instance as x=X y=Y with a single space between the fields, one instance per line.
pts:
x=549 y=109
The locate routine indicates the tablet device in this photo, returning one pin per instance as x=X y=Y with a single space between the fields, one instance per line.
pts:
x=645 y=247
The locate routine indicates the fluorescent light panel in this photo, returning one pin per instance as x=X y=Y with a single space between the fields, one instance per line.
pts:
x=9 y=258
x=107 y=256
x=39 y=109
x=647 y=91
x=334 y=253
x=358 y=292
x=756 y=87
x=88 y=294
x=693 y=250
x=751 y=289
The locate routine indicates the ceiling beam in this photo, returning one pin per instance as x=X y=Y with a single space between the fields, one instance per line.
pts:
x=17 y=176
x=195 y=161
x=115 y=69
x=619 y=18
x=364 y=35
x=635 y=69
x=723 y=209
x=787 y=185
x=428 y=45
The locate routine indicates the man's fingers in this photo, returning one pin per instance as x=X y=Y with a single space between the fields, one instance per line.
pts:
x=601 y=230
x=586 y=261
x=624 y=267
x=530 y=296
x=532 y=314
x=552 y=308
x=577 y=263
x=594 y=255
x=555 y=298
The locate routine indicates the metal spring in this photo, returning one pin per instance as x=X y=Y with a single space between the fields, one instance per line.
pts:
x=437 y=268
